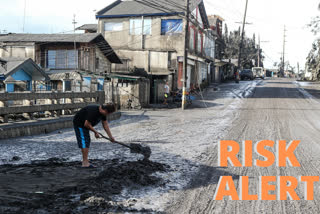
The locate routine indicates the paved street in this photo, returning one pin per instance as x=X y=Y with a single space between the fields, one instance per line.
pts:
x=277 y=110
x=273 y=109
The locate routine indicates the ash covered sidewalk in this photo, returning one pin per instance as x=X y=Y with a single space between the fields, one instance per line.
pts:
x=48 y=171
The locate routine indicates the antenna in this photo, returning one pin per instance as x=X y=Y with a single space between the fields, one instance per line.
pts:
x=24 y=15
x=75 y=45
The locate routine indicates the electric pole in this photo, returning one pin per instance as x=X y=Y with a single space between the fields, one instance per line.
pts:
x=75 y=45
x=241 y=43
x=185 y=59
x=259 y=46
x=283 y=52
x=259 y=52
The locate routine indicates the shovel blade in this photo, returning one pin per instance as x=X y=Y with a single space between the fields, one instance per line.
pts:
x=144 y=150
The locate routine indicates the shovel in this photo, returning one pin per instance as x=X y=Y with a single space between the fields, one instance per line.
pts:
x=134 y=148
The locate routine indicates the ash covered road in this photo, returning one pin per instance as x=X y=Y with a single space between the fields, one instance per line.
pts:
x=279 y=109
x=186 y=143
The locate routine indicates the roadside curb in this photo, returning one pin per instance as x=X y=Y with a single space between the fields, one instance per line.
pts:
x=30 y=128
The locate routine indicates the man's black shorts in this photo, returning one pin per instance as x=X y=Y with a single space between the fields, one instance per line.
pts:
x=83 y=137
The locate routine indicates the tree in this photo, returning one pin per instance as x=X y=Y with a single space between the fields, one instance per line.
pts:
x=226 y=33
x=314 y=25
x=249 y=51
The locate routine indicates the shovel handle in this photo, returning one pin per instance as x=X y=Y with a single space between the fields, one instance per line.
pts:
x=123 y=144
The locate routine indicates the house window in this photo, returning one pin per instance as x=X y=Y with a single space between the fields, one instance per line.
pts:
x=199 y=46
x=86 y=60
x=100 y=84
x=171 y=26
x=2 y=87
x=72 y=58
x=192 y=39
x=97 y=63
x=51 y=59
x=136 y=26
x=113 y=26
x=62 y=59
x=67 y=85
x=21 y=86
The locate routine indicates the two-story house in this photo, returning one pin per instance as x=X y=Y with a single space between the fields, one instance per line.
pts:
x=150 y=36
x=74 y=62
x=216 y=23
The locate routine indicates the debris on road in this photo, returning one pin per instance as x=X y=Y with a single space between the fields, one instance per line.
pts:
x=66 y=188
x=135 y=148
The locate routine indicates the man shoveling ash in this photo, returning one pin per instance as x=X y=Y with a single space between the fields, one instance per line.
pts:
x=85 y=120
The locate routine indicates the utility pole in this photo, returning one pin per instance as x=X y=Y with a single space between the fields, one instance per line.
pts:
x=142 y=31
x=75 y=45
x=185 y=59
x=259 y=46
x=298 y=66
x=259 y=52
x=283 y=52
x=241 y=43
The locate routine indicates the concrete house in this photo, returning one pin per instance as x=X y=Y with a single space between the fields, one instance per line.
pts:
x=21 y=75
x=74 y=62
x=151 y=38
x=221 y=66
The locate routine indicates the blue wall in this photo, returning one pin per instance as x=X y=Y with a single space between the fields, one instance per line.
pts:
x=20 y=75
x=10 y=87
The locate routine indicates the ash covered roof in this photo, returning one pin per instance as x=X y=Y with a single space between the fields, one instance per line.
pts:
x=82 y=38
x=60 y=38
x=89 y=27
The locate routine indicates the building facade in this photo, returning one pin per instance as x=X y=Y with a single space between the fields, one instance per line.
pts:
x=152 y=39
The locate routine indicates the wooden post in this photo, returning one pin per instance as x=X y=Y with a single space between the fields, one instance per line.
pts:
x=5 y=117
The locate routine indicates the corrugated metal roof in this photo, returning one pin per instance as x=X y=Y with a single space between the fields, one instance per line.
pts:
x=62 y=75
x=140 y=7
x=126 y=77
x=90 y=27
x=82 y=38
x=70 y=74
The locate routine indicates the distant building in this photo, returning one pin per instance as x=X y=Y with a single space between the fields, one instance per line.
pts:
x=151 y=39
x=221 y=66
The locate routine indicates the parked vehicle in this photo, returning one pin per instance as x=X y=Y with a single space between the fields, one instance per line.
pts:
x=246 y=74
x=258 y=72
x=177 y=97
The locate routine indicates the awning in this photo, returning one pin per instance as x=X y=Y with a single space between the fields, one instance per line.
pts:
x=220 y=63
x=125 y=77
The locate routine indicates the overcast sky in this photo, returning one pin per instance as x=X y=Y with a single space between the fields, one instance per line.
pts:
x=268 y=18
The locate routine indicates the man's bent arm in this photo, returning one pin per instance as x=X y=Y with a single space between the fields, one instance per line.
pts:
x=88 y=125
x=107 y=129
